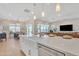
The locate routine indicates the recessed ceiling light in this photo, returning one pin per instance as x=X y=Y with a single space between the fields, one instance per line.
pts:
x=43 y=14
x=32 y=12
x=34 y=17
x=58 y=9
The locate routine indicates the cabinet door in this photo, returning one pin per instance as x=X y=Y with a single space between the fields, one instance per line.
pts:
x=25 y=47
x=45 y=51
x=69 y=54
x=34 y=48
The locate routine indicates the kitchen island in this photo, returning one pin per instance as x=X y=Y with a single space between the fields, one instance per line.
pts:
x=49 y=46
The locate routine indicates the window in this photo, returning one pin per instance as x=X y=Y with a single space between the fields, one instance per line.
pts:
x=14 y=27
x=43 y=27
x=38 y=27
x=29 y=29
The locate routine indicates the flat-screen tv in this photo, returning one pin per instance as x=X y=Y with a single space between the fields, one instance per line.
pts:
x=68 y=27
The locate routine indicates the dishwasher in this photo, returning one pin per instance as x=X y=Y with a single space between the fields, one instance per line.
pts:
x=46 y=51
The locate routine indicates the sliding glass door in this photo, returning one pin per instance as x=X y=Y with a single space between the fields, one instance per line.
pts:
x=29 y=29
x=43 y=28
x=14 y=27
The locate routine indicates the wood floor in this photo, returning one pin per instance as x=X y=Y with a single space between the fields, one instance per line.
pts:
x=11 y=47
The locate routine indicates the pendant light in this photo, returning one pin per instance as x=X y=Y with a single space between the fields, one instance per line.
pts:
x=43 y=12
x=58 y=9
x=34 y=17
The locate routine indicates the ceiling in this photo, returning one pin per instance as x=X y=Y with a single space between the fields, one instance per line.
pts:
x=23 y=11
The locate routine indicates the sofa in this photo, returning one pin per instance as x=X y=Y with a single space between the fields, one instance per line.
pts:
x=3 y=35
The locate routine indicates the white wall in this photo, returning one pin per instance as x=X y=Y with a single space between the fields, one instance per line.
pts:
x=75 y=23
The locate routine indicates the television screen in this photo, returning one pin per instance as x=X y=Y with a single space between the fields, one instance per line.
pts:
x=66 y=27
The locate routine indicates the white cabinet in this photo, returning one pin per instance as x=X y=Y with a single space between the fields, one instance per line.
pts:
x=28 y=46
x=24 y=46
x=69 y=54
x=32 y=46
x=46 y=51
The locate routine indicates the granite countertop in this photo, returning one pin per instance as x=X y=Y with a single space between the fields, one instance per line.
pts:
x=66 y=45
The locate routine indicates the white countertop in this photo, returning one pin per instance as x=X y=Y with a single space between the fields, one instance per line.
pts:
x=66 y=45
